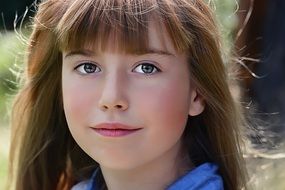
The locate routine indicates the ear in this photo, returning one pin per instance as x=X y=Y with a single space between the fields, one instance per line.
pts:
x=197 y=103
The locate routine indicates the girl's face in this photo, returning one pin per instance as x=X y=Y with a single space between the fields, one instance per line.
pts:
x=127 y=110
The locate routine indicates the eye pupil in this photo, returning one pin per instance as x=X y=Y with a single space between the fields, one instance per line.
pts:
x=89 y=68
x=147 y=68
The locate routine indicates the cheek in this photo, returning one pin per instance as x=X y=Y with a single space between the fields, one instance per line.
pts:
x=164 y=111
x=77 y=101
x=166 y=105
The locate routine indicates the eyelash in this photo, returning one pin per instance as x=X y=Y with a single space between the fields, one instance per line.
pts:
x=83 y=66
x=147 y=64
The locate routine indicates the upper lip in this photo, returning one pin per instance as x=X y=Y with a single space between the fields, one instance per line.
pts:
x=115 y=126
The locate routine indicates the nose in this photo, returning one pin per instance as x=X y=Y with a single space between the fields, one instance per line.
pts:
x=113 y=95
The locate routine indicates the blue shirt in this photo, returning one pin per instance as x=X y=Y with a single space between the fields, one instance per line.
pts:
x=203 y=177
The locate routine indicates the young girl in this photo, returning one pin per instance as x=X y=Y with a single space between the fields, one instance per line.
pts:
x=125 y=94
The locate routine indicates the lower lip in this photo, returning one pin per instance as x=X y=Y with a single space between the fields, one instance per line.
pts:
x=115 y=132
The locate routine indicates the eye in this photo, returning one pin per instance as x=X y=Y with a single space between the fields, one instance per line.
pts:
x=146 y=68
x=87 y=68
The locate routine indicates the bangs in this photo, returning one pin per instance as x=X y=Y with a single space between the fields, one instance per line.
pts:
x=122 y=25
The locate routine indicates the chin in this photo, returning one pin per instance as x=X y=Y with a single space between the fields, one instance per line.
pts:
x=119 y=164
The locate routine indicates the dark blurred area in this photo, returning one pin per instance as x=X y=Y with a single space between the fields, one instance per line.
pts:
x=10 y=8
x=263 y=38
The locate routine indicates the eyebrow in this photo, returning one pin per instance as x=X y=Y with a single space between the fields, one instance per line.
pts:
x=84 y=52
x=90 y=53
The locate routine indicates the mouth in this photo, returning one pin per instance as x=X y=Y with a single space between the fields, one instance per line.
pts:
x=115 y=129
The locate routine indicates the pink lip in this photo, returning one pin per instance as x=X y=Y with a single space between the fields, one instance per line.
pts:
x=114 y=129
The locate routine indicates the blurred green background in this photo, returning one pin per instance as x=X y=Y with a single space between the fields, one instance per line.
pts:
x=11 y=56
x=266 y=173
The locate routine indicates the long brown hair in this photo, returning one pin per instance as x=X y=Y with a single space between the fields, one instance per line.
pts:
x=43 y=152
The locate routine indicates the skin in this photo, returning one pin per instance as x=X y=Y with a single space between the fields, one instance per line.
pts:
x=119 y=90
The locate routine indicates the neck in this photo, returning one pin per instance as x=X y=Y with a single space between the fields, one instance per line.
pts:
x=156 y=174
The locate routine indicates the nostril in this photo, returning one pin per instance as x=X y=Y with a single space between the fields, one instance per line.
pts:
x=113 y=106
x=119 y=106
